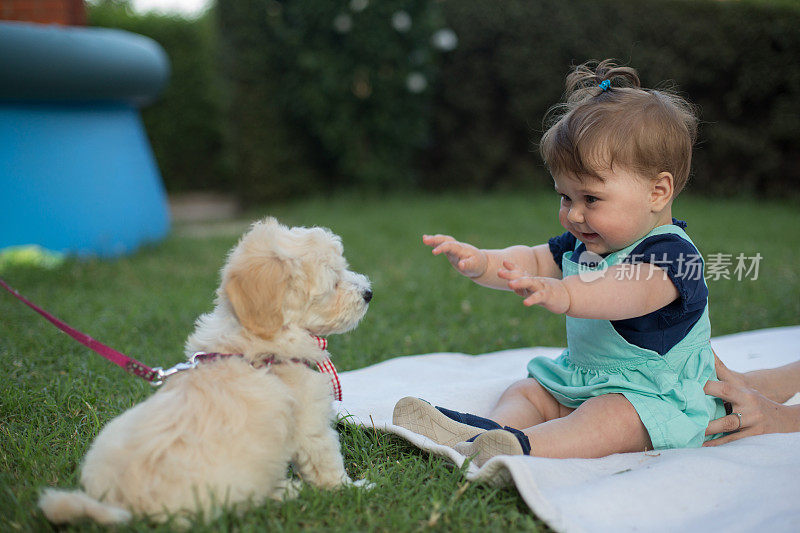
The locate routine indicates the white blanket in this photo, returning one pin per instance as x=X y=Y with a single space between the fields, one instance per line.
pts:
x=751 y=484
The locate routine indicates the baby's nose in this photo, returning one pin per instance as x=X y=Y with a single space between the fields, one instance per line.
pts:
x=575 y=215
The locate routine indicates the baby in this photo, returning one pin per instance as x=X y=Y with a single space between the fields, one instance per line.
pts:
x=625 y=273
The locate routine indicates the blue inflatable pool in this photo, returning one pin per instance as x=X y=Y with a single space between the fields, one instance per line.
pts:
x=77 y=173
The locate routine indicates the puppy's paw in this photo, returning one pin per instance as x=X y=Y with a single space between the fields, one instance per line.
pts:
x=292 y=489
x=287 y=489
x=360 y=484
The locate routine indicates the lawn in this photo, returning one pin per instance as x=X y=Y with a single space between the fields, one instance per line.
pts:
x=56 y=395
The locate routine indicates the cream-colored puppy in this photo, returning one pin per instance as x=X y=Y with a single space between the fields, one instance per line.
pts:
x=224 y=432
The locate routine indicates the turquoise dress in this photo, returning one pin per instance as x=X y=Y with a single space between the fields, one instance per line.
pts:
x=666 y=390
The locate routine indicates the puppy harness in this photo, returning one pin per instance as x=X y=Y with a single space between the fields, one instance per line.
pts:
x=325 y=366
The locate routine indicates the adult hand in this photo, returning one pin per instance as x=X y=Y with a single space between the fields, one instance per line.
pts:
x=752 y=412
x=467 y=259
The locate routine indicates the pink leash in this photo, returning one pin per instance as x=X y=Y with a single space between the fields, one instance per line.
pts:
x=118 y=358
x=155 y=375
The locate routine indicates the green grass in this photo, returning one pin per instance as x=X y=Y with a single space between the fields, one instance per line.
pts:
x=55 y=395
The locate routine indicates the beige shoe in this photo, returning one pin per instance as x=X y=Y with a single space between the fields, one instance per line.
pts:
x=489 y=444
x=421 y=417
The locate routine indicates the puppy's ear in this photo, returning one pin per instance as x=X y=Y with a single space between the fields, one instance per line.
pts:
x=256 y=293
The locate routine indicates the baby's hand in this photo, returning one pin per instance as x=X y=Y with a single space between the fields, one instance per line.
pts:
x=464 y=257
x=550 y=293
x=509 y=272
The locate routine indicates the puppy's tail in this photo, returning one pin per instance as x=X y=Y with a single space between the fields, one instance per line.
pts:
x=61 y=506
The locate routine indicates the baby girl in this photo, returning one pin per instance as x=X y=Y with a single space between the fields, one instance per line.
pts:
x=626 y=275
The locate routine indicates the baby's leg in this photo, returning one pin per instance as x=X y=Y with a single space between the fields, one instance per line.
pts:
x=601 y=426
x=526 y=403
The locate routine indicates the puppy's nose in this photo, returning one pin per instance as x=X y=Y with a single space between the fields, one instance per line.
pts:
x=367 y=296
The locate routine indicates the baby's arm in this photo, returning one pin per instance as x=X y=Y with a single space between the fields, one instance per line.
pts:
x=622 y=292
x=482 y=266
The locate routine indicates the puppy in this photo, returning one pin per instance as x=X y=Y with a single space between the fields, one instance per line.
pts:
x=223 y=433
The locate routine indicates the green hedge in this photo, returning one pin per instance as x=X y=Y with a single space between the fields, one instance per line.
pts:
x=737 y=61
x=299 y=125
x=317 y=91
x=329 y=93
x=185 y=125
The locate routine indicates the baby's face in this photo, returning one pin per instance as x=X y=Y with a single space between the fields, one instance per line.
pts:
x=607 y=214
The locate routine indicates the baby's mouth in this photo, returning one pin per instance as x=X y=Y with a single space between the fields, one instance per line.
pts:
x=589 y=236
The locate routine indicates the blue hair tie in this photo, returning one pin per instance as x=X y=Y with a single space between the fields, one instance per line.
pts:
x=605 y=84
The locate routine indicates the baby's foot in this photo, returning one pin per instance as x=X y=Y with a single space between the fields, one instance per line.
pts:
x=492 y=443
x=421 y=417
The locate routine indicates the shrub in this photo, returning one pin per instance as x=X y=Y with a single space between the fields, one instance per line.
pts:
x=329 y=93
x=318 y=97
x=737 y=61
x=185 y=125
x=301 y=123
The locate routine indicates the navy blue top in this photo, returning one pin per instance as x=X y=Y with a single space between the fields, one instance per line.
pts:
x=662 y=329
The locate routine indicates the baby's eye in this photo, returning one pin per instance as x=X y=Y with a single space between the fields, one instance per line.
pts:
x=565 y=199
x=591 y=199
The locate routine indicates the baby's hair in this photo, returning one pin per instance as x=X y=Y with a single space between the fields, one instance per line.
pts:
x=608 y=119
